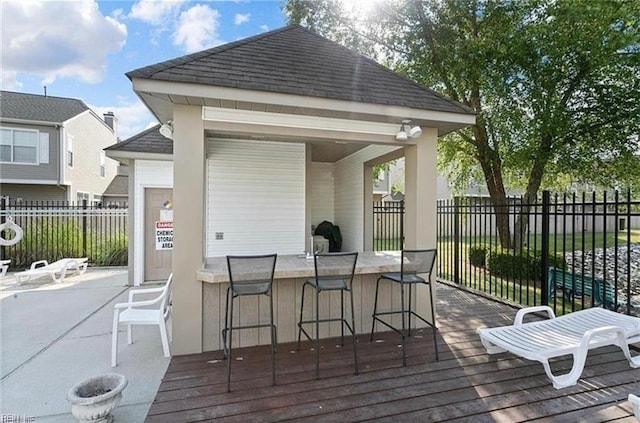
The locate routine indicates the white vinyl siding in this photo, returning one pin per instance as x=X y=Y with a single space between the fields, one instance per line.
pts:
x=321 y=192
x=255 y=197
x=350 y=196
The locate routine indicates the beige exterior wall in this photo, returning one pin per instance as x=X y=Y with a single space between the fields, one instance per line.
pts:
x=90 y=135
x=188 y=217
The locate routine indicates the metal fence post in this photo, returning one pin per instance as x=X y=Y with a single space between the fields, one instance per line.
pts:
x=545 y=248
x=456 y=239
x=84 y=228
x=3 y=207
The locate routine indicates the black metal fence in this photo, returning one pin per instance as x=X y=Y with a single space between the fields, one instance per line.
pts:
x=388 y=225
x=56 y=229
x=570 y=252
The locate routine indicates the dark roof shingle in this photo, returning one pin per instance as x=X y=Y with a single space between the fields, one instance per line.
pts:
x=147 y=141
x=294 y=60
x=34 y=107
x=119 y=186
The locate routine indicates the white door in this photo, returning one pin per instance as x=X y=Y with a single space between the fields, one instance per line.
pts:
x=158 y=239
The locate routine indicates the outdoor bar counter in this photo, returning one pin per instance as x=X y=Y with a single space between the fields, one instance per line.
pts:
x=290 y=274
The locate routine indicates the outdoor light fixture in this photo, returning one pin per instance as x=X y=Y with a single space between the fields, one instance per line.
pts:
x=408 y=130
x=166 y=130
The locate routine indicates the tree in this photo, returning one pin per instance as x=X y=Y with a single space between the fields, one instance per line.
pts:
x=555 y=83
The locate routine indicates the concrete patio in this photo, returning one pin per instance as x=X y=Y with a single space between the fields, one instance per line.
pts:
x=55 y=335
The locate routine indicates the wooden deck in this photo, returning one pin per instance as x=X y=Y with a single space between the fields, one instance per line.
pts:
x=466 y=384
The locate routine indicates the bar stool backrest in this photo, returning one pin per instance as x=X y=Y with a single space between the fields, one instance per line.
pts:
x=335 y=265
x=249 y=270
x=418 y=261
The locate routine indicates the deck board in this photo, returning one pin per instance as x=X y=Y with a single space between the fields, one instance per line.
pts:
x=466 y=384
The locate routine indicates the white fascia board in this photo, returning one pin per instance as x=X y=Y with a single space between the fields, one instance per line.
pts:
x=326 y=127
x=29 y=181
x=135 y=155
x=295 y=100
x=30 y=122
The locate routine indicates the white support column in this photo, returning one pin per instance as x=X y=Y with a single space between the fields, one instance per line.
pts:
x=420 y=206
x=188 y=220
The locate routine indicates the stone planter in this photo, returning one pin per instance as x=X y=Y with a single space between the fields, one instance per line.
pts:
x=93 y=399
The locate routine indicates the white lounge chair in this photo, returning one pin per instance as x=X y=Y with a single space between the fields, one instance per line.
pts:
x=57 y=270
x=138 y=313
x=4 y=266
x=572 y=334
x=635 y=403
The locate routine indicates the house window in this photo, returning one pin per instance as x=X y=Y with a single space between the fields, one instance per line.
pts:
x=97 y=199
x=19 y=145
x=69 y=151
x=81 y=196
x=102 y=164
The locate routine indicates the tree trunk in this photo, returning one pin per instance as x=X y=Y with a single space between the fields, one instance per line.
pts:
x=531 y=193
x=492 y=168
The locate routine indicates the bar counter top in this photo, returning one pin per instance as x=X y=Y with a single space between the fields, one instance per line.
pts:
x=298 y=266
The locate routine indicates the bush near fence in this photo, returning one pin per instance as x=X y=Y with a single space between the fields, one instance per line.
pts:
x=54 y=230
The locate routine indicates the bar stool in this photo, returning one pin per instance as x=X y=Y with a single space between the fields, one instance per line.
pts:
x=333 y=272
x=413 y=262
x=249 y=275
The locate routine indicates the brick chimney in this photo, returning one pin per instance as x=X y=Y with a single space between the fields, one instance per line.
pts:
x=112 y=121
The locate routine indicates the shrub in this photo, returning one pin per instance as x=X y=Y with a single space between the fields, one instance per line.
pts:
x=478 y=256
x=520 y=265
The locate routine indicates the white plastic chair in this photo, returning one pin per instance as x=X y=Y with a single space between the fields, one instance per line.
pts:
x=140 y=313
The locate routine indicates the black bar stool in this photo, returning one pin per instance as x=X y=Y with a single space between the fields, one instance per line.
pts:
x=249 y=275
x=334 y=271
x=413 y=262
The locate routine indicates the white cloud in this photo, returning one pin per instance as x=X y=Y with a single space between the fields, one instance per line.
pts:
x=156 y=12
x=241 y=18
x=58 y=39
x=133 y=117
x=264 y=28
x=197 y=28
x=9 y=81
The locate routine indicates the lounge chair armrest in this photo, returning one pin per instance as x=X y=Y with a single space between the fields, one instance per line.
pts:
x=586 y=338
x=523 y=312
x=39 y=263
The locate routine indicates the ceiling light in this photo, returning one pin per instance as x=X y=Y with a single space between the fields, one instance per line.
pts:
x=166 y=130
x=407 y=129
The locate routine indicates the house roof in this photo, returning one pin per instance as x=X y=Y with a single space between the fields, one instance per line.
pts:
x=148 y=141
x=34 y=107
x=119 y=187
x=294 y=60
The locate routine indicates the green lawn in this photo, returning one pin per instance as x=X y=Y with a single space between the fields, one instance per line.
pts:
x=519 y=290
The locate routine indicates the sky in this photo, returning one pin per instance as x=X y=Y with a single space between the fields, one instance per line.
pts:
x=83 y=48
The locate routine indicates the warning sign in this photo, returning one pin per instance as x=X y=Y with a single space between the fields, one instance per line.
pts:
x=164 y=235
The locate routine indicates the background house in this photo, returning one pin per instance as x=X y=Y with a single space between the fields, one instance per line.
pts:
x=51 y=149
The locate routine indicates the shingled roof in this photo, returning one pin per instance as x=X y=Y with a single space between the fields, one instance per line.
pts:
x=148 y=141
x=294 y=60
x=34 y=107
